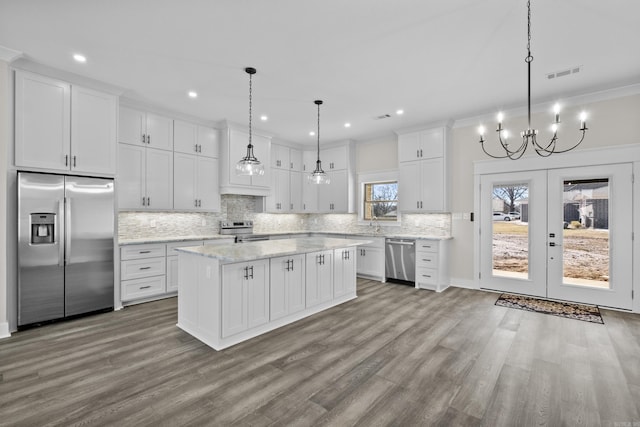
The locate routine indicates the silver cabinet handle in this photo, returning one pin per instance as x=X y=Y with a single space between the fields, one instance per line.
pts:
x=144 y=201
x=144 y=252
x=66 y=160
x=417 y=153
x=144 y=138
x=148 y=139
x=148 y=201
x=74 y=161
x=421 y=152
x=145 y=287
x=145 y=268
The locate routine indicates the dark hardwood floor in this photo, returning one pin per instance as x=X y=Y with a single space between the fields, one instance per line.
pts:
x=394 y=356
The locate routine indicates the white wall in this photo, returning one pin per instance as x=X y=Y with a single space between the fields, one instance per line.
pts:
x=377 y=154
x=610 y=122
x=5 y=138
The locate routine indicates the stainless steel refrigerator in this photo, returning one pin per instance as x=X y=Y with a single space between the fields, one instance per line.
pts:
x=65 y=246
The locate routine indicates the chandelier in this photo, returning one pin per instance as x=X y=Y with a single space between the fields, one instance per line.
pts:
x=529 y=136
x=318 y=176
x=249 y=164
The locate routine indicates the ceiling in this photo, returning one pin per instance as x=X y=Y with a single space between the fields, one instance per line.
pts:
x=436 y=60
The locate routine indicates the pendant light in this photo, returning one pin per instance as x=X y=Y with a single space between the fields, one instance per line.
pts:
x=249 y=164
x=529 y=136
x=318 y=176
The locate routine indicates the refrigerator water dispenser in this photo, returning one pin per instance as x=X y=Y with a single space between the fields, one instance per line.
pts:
x=43 y=228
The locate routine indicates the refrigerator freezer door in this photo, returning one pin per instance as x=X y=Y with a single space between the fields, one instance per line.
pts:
x=41 y=263
x=89 y=244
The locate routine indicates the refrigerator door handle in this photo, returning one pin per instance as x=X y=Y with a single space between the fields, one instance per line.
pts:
x=67 y=229
x=56 y=233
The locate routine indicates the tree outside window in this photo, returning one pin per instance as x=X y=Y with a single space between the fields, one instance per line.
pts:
x=381 y=201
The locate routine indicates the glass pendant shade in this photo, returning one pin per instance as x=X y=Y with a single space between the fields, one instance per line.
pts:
x=249 y=164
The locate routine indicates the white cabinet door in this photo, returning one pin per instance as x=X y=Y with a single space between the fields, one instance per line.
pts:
x=280 y=157
x=132 y=126
x=287 y=291
x=344 y=272
x=295 y=191
x=159 y=179
x=208 y=188
x=185 y=137
x=245 y=296
x=185 y=181
x=410 y=186
x=131 y=176
x=208 y=141
x=159 y=132
x=234 y=299
x=42 y=122
x=258 y=293
x=334 y=158
x=432 y=143
x=309 y=195
x=279 y=201
x=319 y=277
x=409 y=147
x=295 y=160
x=93 y=131
x=370 y=261
x=432 y=184
x=333 y=197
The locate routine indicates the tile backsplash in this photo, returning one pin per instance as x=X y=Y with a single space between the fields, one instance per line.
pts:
x=134 y=225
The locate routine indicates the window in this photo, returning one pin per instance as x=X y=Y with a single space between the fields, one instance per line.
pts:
x=381 y=201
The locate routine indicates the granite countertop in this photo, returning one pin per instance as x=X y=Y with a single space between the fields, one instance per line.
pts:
x=171 y=239
x=270 y=248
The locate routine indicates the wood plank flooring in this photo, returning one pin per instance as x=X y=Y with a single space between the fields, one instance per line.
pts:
x=394 y=356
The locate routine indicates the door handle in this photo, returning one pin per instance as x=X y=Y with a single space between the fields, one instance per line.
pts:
x=67 y=230
x=553 y=244
x=56 y=237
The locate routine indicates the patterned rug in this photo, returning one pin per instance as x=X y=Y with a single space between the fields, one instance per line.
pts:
x=587 y=313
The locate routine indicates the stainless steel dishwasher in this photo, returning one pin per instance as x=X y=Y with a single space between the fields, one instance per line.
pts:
x=400 y=259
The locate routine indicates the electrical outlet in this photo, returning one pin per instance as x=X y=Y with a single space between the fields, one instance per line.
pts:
x=152 y=223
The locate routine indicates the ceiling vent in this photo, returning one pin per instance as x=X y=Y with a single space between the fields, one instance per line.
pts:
x=568 y=71
x=383 y=116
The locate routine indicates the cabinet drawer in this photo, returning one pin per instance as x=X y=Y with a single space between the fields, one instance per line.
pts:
x=142 y=251
x=142 y=288
x=427 y=276
x=138 y=268
x=427 y=260
x=426 y=246
x=171 y=247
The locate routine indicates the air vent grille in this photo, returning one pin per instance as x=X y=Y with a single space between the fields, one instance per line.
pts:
x=562 y=73
x=382 y=116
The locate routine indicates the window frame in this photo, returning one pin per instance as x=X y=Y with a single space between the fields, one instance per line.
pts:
x=376 y=178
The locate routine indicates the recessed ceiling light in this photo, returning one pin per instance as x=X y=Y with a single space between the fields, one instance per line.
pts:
x=347 y=125
x=264 y=118
x=312 y=133
x=193 y=94
x=80 y=58
x=399 y=112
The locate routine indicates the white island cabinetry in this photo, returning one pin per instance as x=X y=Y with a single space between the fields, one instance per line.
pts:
x=231 y=293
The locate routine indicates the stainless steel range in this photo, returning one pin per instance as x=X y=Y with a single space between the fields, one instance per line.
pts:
x=242 y=230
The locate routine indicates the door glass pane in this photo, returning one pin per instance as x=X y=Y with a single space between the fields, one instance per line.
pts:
x=510 y=204
x=585 y=249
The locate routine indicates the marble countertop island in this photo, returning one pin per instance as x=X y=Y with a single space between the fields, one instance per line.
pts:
x=250 y=251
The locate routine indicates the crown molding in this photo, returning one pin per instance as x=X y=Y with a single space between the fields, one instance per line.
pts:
x=9 y=55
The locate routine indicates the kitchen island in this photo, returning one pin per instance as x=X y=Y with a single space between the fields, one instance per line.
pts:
x=233 y=292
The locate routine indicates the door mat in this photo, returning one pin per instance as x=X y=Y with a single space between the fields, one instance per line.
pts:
x=586 y=313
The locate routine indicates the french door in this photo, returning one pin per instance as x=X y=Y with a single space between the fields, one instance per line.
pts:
x=560 y=233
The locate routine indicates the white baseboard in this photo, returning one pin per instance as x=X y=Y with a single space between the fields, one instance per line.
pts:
x=4 y=330
x=463 y=283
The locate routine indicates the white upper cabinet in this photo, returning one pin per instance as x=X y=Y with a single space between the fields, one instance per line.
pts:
x=339 y=196
x=93 y=131
x=195 y=183
x=280 y=157
x=233 y=147
x=424 y=144
x=145 y=178
x=190 y=138
x=147 y=129
x=54 y=133
x=423 y=171
x=295 y=160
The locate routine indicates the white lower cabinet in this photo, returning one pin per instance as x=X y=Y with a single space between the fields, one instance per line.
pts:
x=287 y=285
x=432 y=270
x=344 y=272
x=245 y=296
x=370 y=259
x=319 y=277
